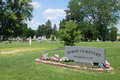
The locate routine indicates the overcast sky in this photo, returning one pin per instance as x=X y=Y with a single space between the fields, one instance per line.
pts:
x=49 y=9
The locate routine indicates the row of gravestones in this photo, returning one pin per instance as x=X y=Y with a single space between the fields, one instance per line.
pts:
x=24 y=39
x=90 y=40
x=39 y=39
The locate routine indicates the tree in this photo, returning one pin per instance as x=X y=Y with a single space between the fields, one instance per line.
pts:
x=113 y=33
x=62 y=24
x=52 y=37
x=101 y=13
x=41 y=30
x=48 y=28
x=28 y=33
x=17 y=11
x=54 y=31
x=69 y=35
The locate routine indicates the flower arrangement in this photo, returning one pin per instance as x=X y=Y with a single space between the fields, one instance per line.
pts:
x=106 y=65
x=45 y=57
x=56 y=58
x=64 y=59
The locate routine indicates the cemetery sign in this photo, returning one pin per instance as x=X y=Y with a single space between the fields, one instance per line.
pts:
x=90 y=54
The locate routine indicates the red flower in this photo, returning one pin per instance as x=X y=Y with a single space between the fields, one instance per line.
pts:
x=41 y=57
x=52 y=59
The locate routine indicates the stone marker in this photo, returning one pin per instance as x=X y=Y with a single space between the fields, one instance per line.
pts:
x=85 y=54
x=24 y=39
x=44 y=37
x=30 y=41
x=34 y=37
x=55 y=38
x=97 y=39
x=39 y=39
x=18 y=39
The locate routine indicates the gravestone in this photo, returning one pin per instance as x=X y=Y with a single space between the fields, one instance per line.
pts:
x=55 y=38
x=34 y=37
x=97 y=39
x=50 y=38
x=18 y=39
x=30 y=41
x=39 y=39
x=44 y=37
x=85 y=54
x=24 y=39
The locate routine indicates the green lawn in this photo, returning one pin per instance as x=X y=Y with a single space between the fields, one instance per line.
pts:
x=20 y=64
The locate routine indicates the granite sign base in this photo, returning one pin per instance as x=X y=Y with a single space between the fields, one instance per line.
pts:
x=110 y=69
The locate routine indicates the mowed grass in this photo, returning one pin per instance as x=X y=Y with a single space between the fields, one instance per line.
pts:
x=23 y=67
x=15 y=48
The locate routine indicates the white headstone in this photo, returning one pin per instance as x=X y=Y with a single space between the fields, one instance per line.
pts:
x=44 y=37
x=55 y=38
x=34 y=37
x=39 y=39
x=30 y=41
x=50 y=38
x=18 y=39
x=97 y=39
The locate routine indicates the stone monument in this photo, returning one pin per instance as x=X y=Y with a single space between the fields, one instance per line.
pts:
x=39 y=39
x=30 y=41
x=18 y=39
x=34 y=37
x=87 y=55
x=97 y=39
x=24 y=39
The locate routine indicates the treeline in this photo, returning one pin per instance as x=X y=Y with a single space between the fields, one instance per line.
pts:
x=46 y=30
x=94 y=18
x=42 y=30
x=14 y=14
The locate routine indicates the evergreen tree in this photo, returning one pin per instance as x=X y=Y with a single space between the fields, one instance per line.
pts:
x=113 y=33
x=55 y=30
x=48 y=26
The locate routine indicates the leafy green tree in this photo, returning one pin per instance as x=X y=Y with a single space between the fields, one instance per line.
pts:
x=53 y=37
x=17 y=12
x=69 y=35
x=2 y=15
x=28 y=33
x=101 y=13
x=113 y=33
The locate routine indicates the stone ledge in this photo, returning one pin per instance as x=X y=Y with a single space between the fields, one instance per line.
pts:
x=110 y=69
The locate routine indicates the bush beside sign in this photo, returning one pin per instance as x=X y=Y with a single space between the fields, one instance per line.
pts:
x=90 y=54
